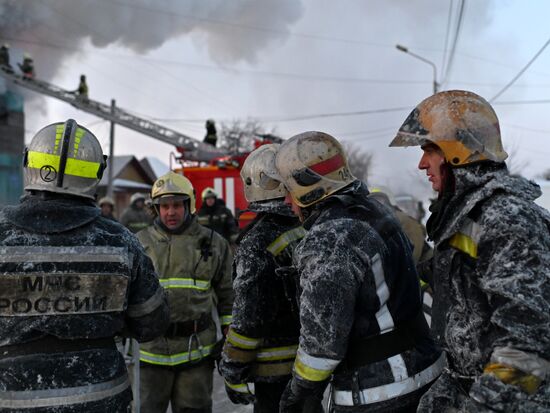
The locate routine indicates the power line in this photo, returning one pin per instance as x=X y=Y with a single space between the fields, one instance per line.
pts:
x=443 y=60
x=455 y=42
x=511 y=82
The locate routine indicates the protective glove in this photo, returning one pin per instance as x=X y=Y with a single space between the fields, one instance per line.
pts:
x=239 y=393
x=529 y=383
x=300 y=394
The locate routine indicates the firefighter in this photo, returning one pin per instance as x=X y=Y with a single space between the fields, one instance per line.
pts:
x=491 y=263
x=263 y=338
x=107 y=206
x=136 y=217
x=5 y=57
x=27 y=67
x=194 y=266
x=211 y=136
x=214 y=214
x=82 y=90
x=360 y=305
x=71 y=280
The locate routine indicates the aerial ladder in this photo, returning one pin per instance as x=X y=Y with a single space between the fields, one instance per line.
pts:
x=191 y=148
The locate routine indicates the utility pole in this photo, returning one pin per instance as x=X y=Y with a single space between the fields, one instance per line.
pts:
x=111 y=153
x=432 y=64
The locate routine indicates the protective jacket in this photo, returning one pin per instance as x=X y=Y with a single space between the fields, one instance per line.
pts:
x=194 y=268
x=219 y=218
x=136 y=219
x=71 y=280
x=360 y=307
x=263 y=338
x=491 y=282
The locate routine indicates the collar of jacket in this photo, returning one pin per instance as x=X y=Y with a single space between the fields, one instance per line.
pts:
x=474 y=184
x=312 y=213
x=45 y=213
x=272 y=206
x=189 y=227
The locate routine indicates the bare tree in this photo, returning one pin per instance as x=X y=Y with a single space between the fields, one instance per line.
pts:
x=514 y=163
x=359 y=160
x=238 y=135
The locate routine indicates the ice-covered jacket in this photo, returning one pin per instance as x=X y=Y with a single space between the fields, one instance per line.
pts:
x=263 y=338
x=70 y=281
x=359 y=288
x=194 y=267
x=491 y=277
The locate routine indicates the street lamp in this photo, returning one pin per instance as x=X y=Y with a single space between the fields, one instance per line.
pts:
x=432 y=64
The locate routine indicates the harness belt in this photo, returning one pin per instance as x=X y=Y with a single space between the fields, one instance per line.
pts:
x=391 y=390
x=187 y=328
x=371 y=349
x=52 y=344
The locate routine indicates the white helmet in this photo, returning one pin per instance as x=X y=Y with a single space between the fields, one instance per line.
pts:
x=258 y=175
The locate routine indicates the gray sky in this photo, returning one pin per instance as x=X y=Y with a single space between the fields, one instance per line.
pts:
x=185 y=61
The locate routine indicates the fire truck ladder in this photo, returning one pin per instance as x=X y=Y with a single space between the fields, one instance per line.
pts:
x=194 y=149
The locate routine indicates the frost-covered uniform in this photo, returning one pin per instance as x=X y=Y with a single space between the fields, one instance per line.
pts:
x=70 y=280
x=263 y=338
x=360 y=308
x=491 y=281
x=194 y=266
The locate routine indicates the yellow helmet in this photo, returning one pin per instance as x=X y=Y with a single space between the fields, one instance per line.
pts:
x=462 y=124
x=312 y=165
x=65 y=158
x=173 y=184
x=258 y=175
x=208 y=193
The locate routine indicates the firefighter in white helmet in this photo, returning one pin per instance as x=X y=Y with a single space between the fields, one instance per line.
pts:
x=194 y=266
x=263 y=338
x=71 y=280
x=360 y=306
x=491 y=264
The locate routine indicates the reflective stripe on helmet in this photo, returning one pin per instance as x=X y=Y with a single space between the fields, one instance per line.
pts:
x=241 y=341
x=75 y=167
x=313 y=368
x=175 y=359
x=283 y=240
x=392 y=390
x=29 y=399
x=191 y=283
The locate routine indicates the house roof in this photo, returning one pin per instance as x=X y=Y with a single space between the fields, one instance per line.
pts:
x=121 y=164
x=154 y=167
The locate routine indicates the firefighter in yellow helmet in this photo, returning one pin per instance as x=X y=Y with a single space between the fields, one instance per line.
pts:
x=489 y=272
x=194 y=266
x=360 y=308
x=214 y=214
x=70 y=281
